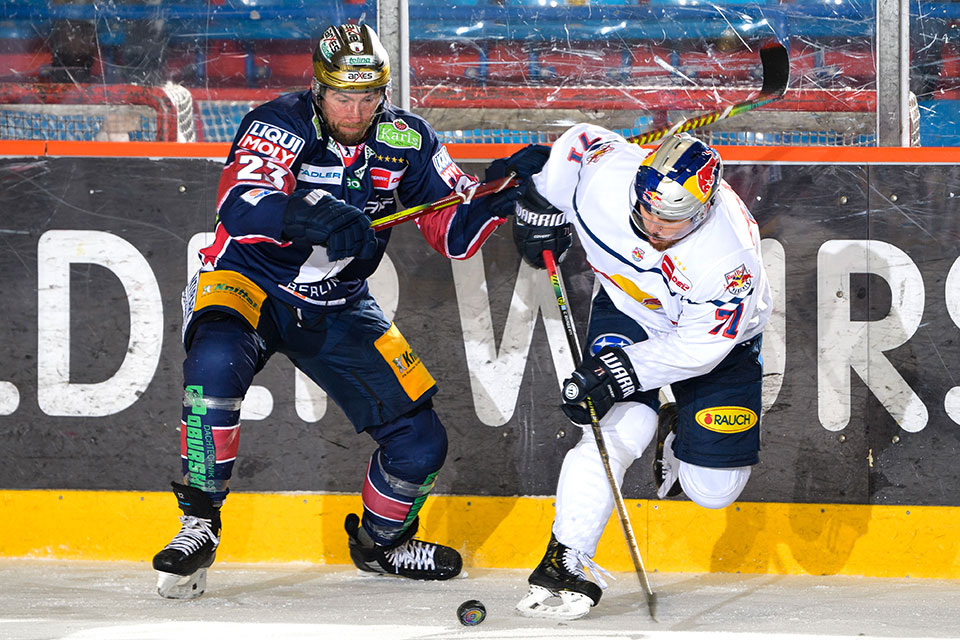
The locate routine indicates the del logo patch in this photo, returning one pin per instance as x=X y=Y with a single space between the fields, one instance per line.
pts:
x=272 y=141
x=726 y=419
x=739 y=280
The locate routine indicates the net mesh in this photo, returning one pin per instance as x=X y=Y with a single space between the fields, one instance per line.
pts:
x=173 y=112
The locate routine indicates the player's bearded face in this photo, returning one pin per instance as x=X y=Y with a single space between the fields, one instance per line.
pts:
x=662 y=234
x=348 y=115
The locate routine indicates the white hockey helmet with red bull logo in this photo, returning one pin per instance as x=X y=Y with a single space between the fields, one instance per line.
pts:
x=678 y=182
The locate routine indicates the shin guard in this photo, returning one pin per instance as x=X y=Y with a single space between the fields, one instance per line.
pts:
x=401 y=473
x=209 y=437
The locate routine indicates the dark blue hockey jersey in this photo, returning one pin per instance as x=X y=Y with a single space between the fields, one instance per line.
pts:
x=281 y=151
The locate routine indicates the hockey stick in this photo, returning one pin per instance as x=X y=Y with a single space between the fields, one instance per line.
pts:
x=776 y=76
x=457 y=197
x=574 y=343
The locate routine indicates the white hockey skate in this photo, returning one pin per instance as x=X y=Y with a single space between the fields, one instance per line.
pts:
x=541 y=602
x=170 y=585
x=559 y=589
x=182 y=565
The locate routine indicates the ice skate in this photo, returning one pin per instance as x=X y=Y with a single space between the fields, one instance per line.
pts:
x=407 y=557
x=559 y=589
x=666 y=467
x=182 y=565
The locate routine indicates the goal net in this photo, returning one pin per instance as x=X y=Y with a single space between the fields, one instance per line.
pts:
x=43 y=111
x=809 y=117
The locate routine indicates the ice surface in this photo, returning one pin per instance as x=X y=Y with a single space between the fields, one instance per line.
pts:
x=113 y=601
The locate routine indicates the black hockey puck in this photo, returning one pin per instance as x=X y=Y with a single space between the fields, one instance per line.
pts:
x=471 y=613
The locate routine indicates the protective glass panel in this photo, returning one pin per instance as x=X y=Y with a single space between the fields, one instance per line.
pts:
x=480 y=70
x=526 y=72
x=935 y=71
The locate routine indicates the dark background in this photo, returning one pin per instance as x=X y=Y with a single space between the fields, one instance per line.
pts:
x=157 y=205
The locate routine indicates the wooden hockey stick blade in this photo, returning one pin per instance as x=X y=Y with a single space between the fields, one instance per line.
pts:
x=574 y=343
x=776 y=77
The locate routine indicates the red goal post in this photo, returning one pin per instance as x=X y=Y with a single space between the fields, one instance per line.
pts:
x=106 y=112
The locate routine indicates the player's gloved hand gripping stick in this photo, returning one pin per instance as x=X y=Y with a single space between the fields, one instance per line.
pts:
x=776 y=77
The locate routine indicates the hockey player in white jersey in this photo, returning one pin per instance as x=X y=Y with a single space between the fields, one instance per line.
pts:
x=682 y=301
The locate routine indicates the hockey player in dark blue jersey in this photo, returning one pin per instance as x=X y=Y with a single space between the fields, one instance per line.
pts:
x=287 y=273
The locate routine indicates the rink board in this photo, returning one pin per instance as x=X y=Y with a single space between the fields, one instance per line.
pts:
x=861 y=356
x=496 y=532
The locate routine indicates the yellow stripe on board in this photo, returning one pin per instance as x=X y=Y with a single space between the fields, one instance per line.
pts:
x=674 y=536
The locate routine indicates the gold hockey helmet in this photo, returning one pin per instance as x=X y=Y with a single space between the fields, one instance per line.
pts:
x=349 y=57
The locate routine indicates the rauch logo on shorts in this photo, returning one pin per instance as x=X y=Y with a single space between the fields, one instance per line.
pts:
x=726 y=419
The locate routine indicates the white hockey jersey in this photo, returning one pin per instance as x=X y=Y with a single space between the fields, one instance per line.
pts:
x=696 y=300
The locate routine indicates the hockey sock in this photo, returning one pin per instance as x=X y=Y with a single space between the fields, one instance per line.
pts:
x=209 y=437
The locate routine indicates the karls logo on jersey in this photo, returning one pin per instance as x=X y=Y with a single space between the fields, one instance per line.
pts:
x=739 y=280
x=320 y=175
x=272 y=141
x=398 y=134
x=447 y=168
x=673 y=274
x=385 y=179
x=726 y=419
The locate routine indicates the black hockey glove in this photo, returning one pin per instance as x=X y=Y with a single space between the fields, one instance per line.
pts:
x=539 y=226
x=320 y=219
x=522 y=164
x=605 y=378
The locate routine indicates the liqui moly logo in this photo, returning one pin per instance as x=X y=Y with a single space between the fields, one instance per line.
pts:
x=447 y=168
x=267 y=139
